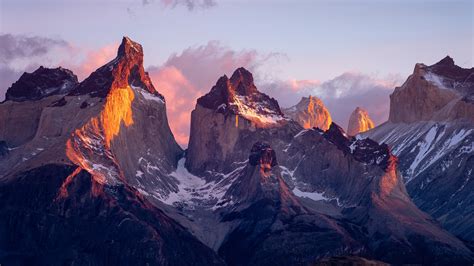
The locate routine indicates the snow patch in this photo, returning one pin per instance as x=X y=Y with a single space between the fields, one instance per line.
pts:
x=300 y=133
x=147 y=95
x=316 y=196
x=256 y=111
x=193 y=190
x=436 y=80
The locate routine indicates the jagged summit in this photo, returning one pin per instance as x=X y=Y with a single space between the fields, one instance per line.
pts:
x=129 y=48
x=126 y=70
x=359 y=121
x=239 y=96
x=262 y=153
x=337 y=136
x=310 y=112
x=440 y=92
x=41 y=83
x=447 y=61
x=242 y=82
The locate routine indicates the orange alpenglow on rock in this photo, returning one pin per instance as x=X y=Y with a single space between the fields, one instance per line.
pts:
x=310 y=112
x=359 y=122
x=117 y=83
x=118 y=109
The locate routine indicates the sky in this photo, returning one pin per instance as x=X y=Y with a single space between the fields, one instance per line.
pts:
x=348 y=53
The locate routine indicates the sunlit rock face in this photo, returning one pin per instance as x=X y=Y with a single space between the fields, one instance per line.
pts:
x=310 y=112
x=239 y=96
x=93 y=158
x=224 y=119
x=113 y=124
x=125 y=70
x=131 y=129
x=359 y=121
x=431 y=131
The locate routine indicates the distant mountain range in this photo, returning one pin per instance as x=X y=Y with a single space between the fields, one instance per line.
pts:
x=91 y=174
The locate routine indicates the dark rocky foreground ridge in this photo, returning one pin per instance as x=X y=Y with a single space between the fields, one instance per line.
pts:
x=96 y=178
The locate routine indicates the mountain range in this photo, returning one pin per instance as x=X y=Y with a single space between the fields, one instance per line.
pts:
x=91 y=173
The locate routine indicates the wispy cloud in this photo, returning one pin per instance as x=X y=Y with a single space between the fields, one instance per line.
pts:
x=190 y=4
x=21 y=53
x=89 y=60
x=14 y=47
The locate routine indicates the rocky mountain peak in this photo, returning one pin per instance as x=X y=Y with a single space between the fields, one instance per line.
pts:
x=359 y=121
x=371 y=152
x=310 y=112
x=447 y=61
x=226 y=90
x=262 y=153
x=42 y=83
x=440 y=92
x=337 y=136
x=126 y=70
x=129 y=48
x=242 y=82
x=364 y=150
x=239 y=96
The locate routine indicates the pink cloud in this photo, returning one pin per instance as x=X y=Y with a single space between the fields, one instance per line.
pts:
x=90 y=60
x=180 y=96
x=288 y=92
x=186 y=76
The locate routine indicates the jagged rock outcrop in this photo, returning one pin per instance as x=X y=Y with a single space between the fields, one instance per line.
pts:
x=270 y=225
x=440 y=92
x=359 y=122
x=226 y=116
x=310 y=112
x=95 y=161
x=126 y=70
x=131 y=126
x=323 y=172
x=376 y=198
x=431 y=131
x=42 y=83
